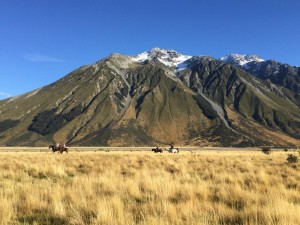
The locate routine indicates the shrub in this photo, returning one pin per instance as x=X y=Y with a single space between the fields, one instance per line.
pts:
x=7 y=124
x=48 y=122
x=292 y=158
x=266 y=150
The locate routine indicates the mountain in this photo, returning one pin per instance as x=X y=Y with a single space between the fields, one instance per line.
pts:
x=286 y=77
x=157 y=97
x=241 y=60
x=169 y=58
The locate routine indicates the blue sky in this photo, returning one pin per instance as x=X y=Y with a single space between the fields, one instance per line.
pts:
x=43 y=40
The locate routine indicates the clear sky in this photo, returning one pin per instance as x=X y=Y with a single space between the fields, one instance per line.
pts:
x=43 y=40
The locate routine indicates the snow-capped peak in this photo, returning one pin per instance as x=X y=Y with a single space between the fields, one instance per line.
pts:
x=241 y=60
x=169 y=58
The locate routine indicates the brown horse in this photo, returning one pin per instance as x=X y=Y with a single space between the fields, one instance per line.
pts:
x=157 y=149
x=60 y=149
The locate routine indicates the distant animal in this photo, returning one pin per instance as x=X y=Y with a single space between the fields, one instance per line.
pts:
x=53 y=147
x=60 y=149
x=173 y=150
x=63 y=149
x=156 y=150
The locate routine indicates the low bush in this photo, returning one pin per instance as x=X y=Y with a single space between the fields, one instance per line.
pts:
x=292 y=158
x=266 y=150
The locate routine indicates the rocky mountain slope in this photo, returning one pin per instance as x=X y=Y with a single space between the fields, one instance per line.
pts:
x=157 y=98
x=283 y=75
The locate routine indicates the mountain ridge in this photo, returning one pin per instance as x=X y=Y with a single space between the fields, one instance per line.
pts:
x=156 y=97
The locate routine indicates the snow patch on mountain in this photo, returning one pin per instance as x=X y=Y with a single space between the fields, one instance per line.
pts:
x=182 y=66
x=241 y=60
x=180 y=62
x=169 y=58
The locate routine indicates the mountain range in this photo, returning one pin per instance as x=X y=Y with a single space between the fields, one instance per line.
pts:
x=161 y=97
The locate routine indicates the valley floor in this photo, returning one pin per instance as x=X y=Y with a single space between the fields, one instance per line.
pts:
x=141 y=187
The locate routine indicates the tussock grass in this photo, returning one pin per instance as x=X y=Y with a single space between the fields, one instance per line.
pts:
x=207 y=187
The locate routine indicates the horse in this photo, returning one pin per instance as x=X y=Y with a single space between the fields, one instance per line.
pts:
x=156 y=150
x=53 y=147
x=60 y=149
x=63 y=149
x=173 y=150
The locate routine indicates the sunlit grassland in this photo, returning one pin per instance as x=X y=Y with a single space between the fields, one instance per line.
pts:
x=204 y=187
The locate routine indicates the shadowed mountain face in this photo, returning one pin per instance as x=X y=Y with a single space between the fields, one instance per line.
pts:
x=155 y=98
x=286 y=76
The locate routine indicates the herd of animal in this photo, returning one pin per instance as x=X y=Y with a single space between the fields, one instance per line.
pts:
x=63 y=148
x=171 y=150
x=59 y=148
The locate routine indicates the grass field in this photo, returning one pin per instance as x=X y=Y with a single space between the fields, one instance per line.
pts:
x=203 y=187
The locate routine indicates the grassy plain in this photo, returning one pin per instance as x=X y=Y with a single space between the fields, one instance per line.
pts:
x=139 y=187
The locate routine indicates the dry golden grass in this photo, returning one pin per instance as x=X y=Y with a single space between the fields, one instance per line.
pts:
x=207 y=187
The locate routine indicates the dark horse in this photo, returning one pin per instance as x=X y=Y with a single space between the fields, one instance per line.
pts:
x=157 y=149
x=60 y=149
